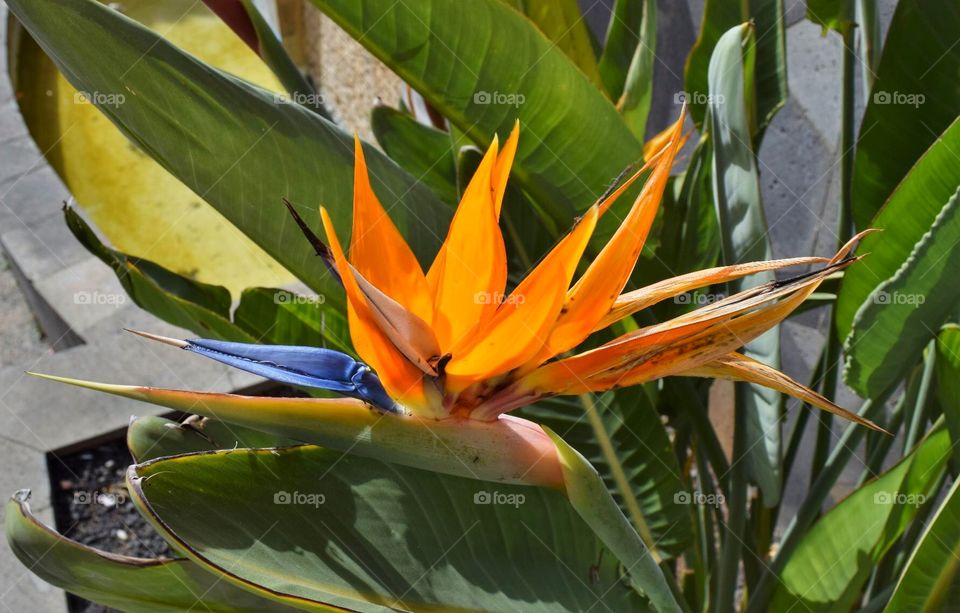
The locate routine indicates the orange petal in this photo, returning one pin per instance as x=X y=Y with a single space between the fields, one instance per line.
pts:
x=738 y=367
x=658 y=144
x=501 y=171
x=637 y=300
x=470 y=272
x=597 y=290
x=521 y=324
x=378 y=250
x=679 y=344
x=401 y=378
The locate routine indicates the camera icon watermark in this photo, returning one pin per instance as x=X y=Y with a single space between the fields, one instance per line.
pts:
x=99 y=298
x=99 y=98
x=313 y=499
x=95 y=497
x=900 y=498
x=899 y=98
x=697 y=298
x=883 y=297
x=301 y=98
x=499 y=498
x=698 y=98
x=483 y=98
x=499 y=298
x=698 y=498
x=282 y=297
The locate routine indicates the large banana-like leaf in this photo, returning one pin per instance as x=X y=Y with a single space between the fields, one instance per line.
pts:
x=313 y=526
x=484 y=74
x=263 y=316
x=929 y=582
x=904 y=219
x=915 y=97
x=623 y=437
x=235 y=145
x=900 y=317
x=770 y=70
x=830 y=565
x=121 y=582
x=930 y=579
x=743 y=229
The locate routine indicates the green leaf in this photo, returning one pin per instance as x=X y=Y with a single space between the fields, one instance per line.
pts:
x=562 y=22
x=232 y=143
x=904 y=219
x=904 y=312
x=263 y=316
x=948 y=381
x=122 y=582
x=832 y=14
x=627 y=443
x=743 y=229
x=183 y=302
x=929 y=581
x=769 y=72
x=312 y=526
x=830 y=565
x=915 y=98
x=564 y=119
x=634 y=103
x=152 y=437
x=623 y=35
x=425 y=152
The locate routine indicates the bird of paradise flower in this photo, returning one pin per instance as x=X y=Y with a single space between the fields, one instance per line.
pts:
x=446 y=355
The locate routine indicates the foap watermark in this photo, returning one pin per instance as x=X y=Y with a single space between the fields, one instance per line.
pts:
x=899 y=98
x=301 y=98
x=697 y=298
x=99 y=98
x=899 y=498
x=499 y=298
x=289 y=298
x=698 y=98
x=94 y=497
x=883 y=297
x=313 y=499
x=100 y=298
x=500 y=498
x=698 y=498
x=499 y=99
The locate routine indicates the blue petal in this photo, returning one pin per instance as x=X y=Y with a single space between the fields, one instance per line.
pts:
x=304 y=366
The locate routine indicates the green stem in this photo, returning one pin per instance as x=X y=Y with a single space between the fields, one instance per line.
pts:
x=733 y=537
x=796 y=435
x=619 y=477
x=831 y=357
x=882 y=446
x=706 y=530
x=918 y=410
x=844 y=231
x=706 y=435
